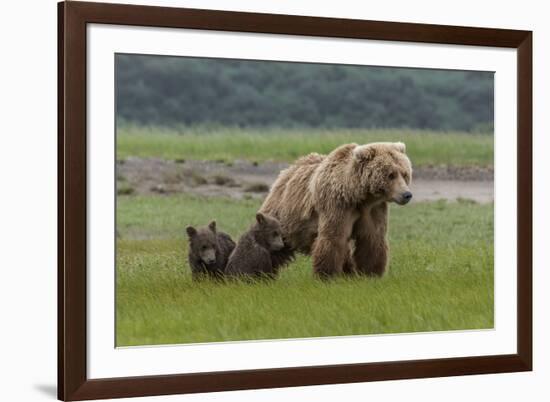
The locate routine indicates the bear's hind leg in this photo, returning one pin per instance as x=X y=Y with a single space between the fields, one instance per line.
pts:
x=331 y=247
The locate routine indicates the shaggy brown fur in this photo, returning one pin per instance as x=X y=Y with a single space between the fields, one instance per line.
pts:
x=209 y=251
x=334 y=206
x=253 y=256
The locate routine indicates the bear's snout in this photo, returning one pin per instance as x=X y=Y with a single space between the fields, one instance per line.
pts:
x=209 y=256
x=405 y=198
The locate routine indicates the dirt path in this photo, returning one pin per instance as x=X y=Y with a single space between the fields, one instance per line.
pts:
x=433 y=190
x=242 y=179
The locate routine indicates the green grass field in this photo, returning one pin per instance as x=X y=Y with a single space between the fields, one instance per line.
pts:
x=228 y=144
x=440 y=277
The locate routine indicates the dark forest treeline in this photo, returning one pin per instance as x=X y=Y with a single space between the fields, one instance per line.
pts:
x=158 y=90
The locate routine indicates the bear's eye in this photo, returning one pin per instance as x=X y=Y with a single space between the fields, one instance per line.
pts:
x=391 y=176
x=275 y=234
x=204 y=247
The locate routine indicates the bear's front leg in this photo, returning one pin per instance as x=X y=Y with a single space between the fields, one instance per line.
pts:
x=349 y=264
x=371 y=246
x=331 y=247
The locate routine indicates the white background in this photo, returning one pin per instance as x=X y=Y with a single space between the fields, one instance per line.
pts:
x=28 y=199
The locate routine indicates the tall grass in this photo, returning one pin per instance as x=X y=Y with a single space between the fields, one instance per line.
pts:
x=423 y=147
x=440 y=278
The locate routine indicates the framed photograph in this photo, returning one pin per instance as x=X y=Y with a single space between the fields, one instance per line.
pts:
x=253 y=200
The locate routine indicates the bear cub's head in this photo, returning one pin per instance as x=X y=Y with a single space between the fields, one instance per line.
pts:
x=267 y=232
x=203 y=242
x=386 y=170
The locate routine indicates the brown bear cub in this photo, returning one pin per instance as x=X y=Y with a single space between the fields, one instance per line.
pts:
x=255 y=255
x=209 y=251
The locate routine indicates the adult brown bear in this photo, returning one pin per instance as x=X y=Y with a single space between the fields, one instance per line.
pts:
x=335 y=207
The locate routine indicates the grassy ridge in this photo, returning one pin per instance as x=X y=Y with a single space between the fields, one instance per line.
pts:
x=423 y=147
x=440 y=278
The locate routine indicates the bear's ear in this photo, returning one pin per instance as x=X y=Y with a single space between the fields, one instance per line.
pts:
x=260 y=218
x=191 y=231
x=364 y=153
x=212 y=226
x=400 y=147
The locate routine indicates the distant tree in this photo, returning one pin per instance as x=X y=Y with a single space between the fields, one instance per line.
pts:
x=162 y=90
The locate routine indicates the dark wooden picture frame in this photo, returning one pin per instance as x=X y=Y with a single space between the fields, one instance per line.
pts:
x=73 y=383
